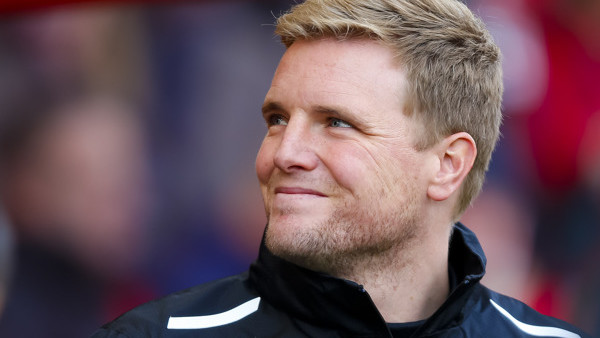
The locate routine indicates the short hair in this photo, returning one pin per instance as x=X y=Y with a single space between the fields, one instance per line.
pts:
x=451 y=62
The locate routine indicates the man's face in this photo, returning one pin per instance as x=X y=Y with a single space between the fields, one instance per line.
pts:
x=338 y=170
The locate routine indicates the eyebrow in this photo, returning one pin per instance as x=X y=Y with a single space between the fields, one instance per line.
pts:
x=342 y=113
x=336 y=111
x=271 y=106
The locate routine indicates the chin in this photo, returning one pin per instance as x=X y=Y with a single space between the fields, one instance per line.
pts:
x=286 y=236
x=302 y=243
x=285 y=231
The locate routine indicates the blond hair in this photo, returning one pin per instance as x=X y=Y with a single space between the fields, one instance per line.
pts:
x=452 y=64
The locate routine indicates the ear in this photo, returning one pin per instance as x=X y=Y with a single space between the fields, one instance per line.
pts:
x=456 y=154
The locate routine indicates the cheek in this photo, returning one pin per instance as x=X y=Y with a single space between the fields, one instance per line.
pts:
x=264 y=162
x=348 y=164
x=366 y=169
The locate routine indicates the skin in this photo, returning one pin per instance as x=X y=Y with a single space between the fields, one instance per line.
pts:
x=345 y=190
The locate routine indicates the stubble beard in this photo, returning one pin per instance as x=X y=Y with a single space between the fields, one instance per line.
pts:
x=351 y=239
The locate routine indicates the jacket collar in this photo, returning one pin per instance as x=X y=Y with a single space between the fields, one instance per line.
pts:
x=345 y=306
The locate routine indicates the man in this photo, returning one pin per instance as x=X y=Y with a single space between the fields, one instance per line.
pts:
x=382 y=117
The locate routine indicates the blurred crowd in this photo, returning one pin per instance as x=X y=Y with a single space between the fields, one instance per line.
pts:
x=128 y=135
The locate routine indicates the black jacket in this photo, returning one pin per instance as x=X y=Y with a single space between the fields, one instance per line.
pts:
x=278 y=299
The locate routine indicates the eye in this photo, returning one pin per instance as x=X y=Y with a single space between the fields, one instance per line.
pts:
x=276 y=120
x=337 y=123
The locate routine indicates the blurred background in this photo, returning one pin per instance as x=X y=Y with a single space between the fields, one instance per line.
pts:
x=128 y=134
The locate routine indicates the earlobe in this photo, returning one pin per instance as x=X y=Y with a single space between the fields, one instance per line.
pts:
x=456 y=155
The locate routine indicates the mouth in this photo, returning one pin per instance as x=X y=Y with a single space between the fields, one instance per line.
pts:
x=298 y=191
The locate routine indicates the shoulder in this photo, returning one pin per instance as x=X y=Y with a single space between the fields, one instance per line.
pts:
x=151 y=319
x=492 y=314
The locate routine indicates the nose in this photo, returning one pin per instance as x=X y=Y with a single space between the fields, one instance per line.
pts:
x=297 y=148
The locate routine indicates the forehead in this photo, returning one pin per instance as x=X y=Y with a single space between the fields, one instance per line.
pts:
x=360 y=73
x=339 y=56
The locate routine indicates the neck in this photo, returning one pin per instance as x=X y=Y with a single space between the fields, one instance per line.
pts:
x=407 y=283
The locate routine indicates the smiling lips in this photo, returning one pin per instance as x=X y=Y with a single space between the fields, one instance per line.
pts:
x=298 y=191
